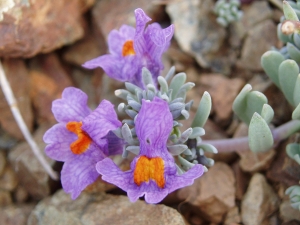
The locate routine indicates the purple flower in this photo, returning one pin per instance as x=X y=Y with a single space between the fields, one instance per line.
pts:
x=132 y=49
x=153 y=172
x=81 y=138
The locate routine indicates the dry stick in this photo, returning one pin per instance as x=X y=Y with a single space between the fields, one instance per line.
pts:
x=20 y=121
x=241 y=144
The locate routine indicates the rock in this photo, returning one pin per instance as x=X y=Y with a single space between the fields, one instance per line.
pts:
x=112 y=14
x=17 y=75
x=223 y=92
x=284 y=169
x=2 y=162
x=100 y=209
x=47 y=69
x=259 y=202
x=85 y=49
x=213 y=194
x=31 y=174
x=5 y=199
x=233 y=216
x=242 y=180
x=253 y=162
x=288 y=213
x=203 y=37
x=263 y=36
x=8 y=180
x=20 y=194
x=33 y=27
x=15 y=214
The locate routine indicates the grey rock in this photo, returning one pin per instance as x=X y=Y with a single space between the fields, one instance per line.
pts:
x=15 y=214
x=288 y=213
x=100 y=208
x=259 y=202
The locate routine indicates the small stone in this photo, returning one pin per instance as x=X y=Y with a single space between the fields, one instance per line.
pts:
x=250 y=161
x=259 y=202
x=242 y=180
x=2 y=162
x=100 y=208
x=5 y=199
x=47 y=69
x=223 y=91
x=233 y=216
x=8 y=180
x=288 y=213
x=31 y=174
x=17 y=75
x=20 y=194
x=15 y=214
x=263 y=36
x=41 y=26
x=213 y=194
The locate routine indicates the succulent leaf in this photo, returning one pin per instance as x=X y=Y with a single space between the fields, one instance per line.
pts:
x=203 y=111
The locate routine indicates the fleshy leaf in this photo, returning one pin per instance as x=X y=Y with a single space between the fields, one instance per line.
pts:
x=294 y=52
x=202 y=111
x=293 y=151
x=288 y=72
x=260 y=135
x=177 y=81
x=296 y=113
x=270 y=62
x=267 y=113
x=297 y=91
x=289 y=12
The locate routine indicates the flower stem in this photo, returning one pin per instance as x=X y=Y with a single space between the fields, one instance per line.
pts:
x=241 y=144
x=22 y=125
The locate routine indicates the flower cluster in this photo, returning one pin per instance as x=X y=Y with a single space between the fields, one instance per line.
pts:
x=83 y=139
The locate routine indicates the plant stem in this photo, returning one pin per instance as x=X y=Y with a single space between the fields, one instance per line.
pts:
x=241 y=144
x=22 y=125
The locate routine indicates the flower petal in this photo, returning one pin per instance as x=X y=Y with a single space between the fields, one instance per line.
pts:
x=115 y=144
x=154 y=123
x=186 y=179
x=111 y=173
x=72 y=106
x=102 y=120
x=116 y=39
x=81 y=171
x=59 y=139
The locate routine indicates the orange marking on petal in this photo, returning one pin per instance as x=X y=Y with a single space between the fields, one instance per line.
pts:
x=128 y=48
x=83 y=142
x=149 y=168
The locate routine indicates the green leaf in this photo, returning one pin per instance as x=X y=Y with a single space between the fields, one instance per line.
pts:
x=270 y=62
x=260 y=135
x=288 y=73
x=163 y=84
x=208 y=148
x=294 y=52
x=297 y=91
x=239 y=105
x=289 y=12
x=255 y=102
x=202 y=111
x=146 y=76
x=296 y=113
x=176 y=83
x=293 y=151
x=267 y=113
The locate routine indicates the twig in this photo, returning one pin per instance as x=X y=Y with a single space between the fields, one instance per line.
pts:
x=241 y=144
x=20 y=121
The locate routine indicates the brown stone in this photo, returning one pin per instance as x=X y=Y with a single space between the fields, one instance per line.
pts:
x=8 y=180
x=17 y=75
x=100 y=208
x=263 y=36
x=2 y=162
x=233 y=216
x=213 y=194
x=288 y=213
x=5 y=198
x=223 y=92
x=15 y=214
x=242 y=180
x=34 y=27
x=47 y=69
x=31 y=174
x=20 y=194
x=259 y=202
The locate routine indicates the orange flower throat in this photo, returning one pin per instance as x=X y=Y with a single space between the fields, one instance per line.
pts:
x=83 y=142
x=149 y=168
x=128 y=48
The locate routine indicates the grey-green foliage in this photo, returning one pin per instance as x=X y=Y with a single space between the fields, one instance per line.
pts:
x=252 y=108
x=227 y=11
x=185 y=146
x=294 y=193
